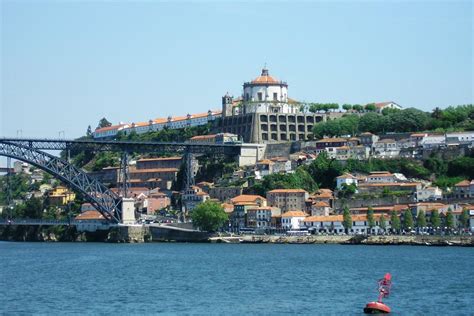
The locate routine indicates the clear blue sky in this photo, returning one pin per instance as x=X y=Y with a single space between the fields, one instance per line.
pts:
x=64 y=65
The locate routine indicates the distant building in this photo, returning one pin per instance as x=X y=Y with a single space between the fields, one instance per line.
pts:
x=266 y=114
x=429 y=193
x=386 y=148
x=153 y=125
x=464 y=189
x=224 y=194
x=387 y=105
x=221 y=138
x=193 y=197
x=250 y=199
x=288 y=199
x=345 y=179
x=261 y=217
x=292 y=219
x=60 y=196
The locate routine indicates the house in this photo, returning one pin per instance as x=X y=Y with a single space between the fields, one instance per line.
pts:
x=460 y=137
x=91 y=221
x=380 y=177
x=333 y=224
x=238 y=218
x=193 y=197
x=368 y=139
x=261 y=217
x=417 y=138
x=429 y=193
x=387 y=105
x=281 y=165
x=292 y=219
x=320 y=208
x=328 y=224
x=205 y=186
x=60 y=196
x=225 y=193
x=324 y=195
x=324 y=143
x=155 y=202
x=345 y=180
x=252 y=199
x=263 y=168
x=386 y=148
x=464 y=189
x=288 y=199
x=433 y=141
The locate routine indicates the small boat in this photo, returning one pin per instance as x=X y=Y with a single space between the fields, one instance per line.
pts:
x=379 y=307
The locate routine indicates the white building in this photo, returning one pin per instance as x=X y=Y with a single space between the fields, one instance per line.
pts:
x=386 y=148
x=387 y=105
x=429 y=194
x=292 y=219
x=433 y=141
x=346 y=179
x=178 y=122
x=333 y=224
x=380 y=177
x=460 y=137
x=265 y=94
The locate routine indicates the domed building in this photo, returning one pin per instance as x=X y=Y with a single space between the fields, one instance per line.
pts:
x=264 y=113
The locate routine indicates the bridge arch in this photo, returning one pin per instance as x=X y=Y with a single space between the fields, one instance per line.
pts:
x=104 y=200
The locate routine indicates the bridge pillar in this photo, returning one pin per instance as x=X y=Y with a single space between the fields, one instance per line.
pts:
x=128 y=211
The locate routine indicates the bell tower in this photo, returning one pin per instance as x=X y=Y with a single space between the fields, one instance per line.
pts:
x=227 y=105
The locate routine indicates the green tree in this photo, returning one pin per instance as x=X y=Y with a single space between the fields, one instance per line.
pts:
x=435 y=220
x=357 y=107
x=347 y=107
x=449 y=220
x=370 y=218
x=104 y=123
x=346 y=219
x=33 y=208
x=407 y=220
x=89 y=131
x=325 y=170
x=421 y=219
x=382 y=222
x=209 y=216
x=464 y=219
x=370 y=107
x=396 y=225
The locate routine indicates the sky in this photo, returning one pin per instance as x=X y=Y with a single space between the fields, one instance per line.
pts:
x=66 y=64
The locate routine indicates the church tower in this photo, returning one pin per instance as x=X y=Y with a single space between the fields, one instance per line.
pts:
x=227 y=105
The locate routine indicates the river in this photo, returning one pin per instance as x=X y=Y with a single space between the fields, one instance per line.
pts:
x=233 y=279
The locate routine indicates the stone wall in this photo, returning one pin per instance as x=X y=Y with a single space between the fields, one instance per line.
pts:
x=389 y=200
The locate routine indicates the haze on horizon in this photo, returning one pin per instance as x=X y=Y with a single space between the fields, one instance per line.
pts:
x=65 y=65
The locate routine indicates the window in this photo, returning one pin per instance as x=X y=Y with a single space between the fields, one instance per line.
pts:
x=275 y=96
x=260 y=96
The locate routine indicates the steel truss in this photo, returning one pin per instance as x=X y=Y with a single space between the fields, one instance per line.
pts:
x=128 y=146
x=105 y=201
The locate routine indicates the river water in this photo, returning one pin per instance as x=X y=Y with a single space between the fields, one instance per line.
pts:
x=232 y=279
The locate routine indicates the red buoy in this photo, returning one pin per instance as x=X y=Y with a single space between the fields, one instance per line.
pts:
x=379 y=307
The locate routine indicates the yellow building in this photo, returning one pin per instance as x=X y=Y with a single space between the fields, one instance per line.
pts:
x=61 y=196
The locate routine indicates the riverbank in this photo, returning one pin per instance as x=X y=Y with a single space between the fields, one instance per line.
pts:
x=162 y=233
x=465 y=241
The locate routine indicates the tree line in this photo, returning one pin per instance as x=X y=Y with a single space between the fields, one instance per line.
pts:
x=458 y=118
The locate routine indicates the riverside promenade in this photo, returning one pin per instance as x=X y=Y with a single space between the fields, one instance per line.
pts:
x=415 y=240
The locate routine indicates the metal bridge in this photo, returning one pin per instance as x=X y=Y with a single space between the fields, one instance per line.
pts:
x=107 y=202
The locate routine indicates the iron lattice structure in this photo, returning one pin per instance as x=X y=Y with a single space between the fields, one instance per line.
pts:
x=125 y=146
x=104 y=200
